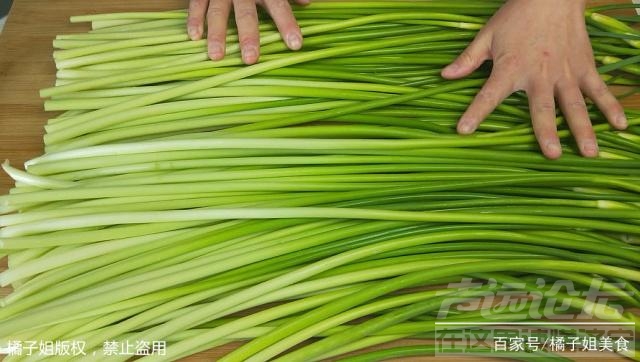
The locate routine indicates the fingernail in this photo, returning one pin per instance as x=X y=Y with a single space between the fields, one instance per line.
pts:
x=622 y=122
x=294 y=42
x=553 y=149
x=250 y=55
x=466 y=127
x=590 y=148
x=216 y=51
x=192 y=33
x=451 y=68
x=195 y=31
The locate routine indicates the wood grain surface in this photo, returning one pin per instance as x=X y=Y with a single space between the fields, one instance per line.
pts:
x=26 y=66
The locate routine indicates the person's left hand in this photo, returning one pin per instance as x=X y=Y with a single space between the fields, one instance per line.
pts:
x=543 y=48
x=217 y=14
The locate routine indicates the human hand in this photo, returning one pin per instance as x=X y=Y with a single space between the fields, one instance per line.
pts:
x=217 y=13
x=541 y=47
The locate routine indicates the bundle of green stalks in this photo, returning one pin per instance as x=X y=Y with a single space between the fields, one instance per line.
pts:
x=315 y=204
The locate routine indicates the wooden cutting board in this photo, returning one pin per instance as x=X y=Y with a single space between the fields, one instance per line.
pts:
x=26 y=66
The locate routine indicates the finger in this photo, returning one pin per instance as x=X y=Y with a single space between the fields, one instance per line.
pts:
x=471 y=58
x=498 y=87
x=282 y=15
x=543 y=114
x=303 y=2
x=575 y=111
x=598 y=91
x=195 y=19
x=248 y=34
x=217 y=19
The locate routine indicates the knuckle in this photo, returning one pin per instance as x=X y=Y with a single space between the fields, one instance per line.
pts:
x=194 y=21
x=600 y=90
x=247 y=41
x=467 y=59
x=247 y=14
x=215 y=38
x=195 y=14
x=545 y=107
x=576 y=104
x=215 y=10
x=198 y=3
x=276 y=5
x=615 y=107
x=488 y=97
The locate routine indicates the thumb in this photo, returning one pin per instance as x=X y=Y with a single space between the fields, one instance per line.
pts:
x=470 y=59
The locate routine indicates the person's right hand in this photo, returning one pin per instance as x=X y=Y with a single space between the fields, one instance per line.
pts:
x=217 y=14
x=543 y=48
